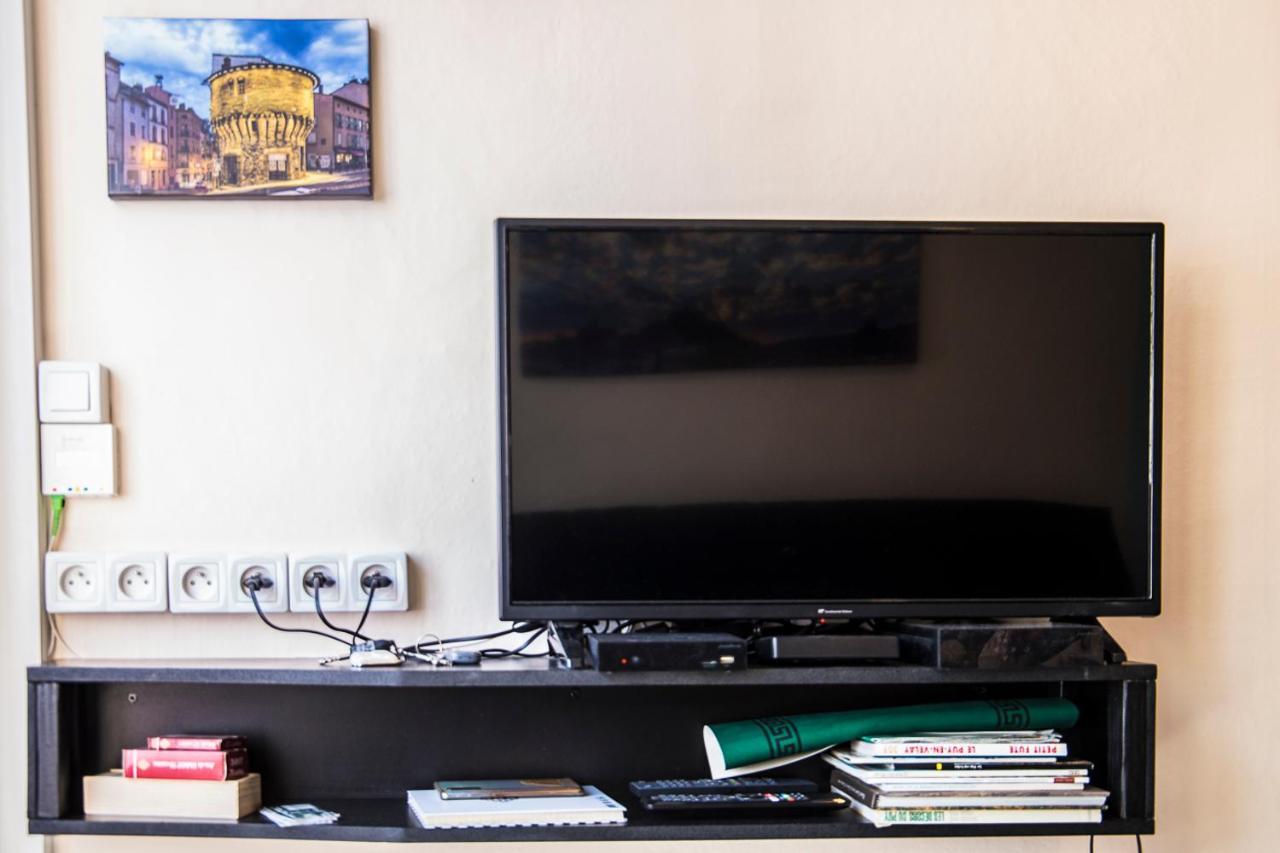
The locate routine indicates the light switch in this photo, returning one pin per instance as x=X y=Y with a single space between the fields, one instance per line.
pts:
x=74 y=392
x=78 y=460
x=68 y=392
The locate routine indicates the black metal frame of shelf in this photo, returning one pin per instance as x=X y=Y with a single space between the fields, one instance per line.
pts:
x=356 y=740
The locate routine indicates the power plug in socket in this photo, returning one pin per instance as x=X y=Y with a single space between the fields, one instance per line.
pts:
x=198 y=583
x=74 y=582
x=303 y=568
x=273 y=567
x=394 y=566
x=137 y=583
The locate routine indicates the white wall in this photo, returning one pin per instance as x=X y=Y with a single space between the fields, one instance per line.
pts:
x=320 y=375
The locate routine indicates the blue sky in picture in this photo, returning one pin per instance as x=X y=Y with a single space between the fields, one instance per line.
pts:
x=182 y=49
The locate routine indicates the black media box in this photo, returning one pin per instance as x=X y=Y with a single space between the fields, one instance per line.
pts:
x=623 y=652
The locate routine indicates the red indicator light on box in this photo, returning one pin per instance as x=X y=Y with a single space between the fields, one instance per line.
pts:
x=624 y=661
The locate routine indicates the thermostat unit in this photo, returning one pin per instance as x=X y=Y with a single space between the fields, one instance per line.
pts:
x=78 y=460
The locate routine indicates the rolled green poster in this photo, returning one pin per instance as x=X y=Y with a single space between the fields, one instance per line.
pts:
x=749 y=746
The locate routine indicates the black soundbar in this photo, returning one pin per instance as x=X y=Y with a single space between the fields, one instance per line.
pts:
x=827 y=648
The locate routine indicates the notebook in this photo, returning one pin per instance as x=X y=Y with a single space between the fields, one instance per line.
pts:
x=591 y=807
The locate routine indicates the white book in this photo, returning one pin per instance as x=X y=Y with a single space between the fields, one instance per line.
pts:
x=979 y=785
x=1051 y=773
x=899 y=817
x=994 y=737
x=1090 y=798
x=961 y=748
x=592 y=807
x=930 y=760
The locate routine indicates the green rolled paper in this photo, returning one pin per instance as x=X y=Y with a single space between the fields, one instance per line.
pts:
x=749 y=746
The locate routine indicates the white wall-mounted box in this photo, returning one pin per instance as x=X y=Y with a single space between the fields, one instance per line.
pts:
x=78 y=460
x=73 y=392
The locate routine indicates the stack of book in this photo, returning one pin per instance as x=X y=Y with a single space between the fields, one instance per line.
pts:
x=194 y=777
x=966 y=777
x=514 y=802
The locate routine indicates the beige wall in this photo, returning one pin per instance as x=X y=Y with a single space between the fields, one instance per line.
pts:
x=320 y=375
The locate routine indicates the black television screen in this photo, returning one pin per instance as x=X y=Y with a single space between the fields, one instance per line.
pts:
x=793 y=419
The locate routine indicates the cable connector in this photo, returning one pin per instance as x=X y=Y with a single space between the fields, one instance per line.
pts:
x=375 y=581
x=257 y=582
x=318 y=580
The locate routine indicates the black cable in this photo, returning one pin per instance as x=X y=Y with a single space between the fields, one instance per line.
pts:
x=368 y=602
x=1090 y=844
x=1138 y=838
x=253 y=594
x=504 y=653
x=315 y=596
x=517 y=628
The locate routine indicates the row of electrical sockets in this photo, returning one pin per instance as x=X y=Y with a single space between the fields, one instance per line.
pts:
x=217 y=583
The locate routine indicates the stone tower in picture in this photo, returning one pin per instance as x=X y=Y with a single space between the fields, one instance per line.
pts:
x=260 y=113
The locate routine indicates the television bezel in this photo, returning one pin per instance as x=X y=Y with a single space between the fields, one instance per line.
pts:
x=587 y=611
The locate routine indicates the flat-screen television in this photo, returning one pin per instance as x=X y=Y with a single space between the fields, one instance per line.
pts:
x=742 y=419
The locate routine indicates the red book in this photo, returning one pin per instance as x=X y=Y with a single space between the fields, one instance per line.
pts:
x=202 y=742
x=216 y=765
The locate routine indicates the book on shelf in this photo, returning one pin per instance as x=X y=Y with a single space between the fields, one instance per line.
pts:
x=1049 y=766
x=1011 y=814
x=955 y=773
x=929 y=760
x=496 y=789
x=204 y=764
x=878 y=797
x=197 y=742
x=110 y=794
x=963 y=744
x=591 y=807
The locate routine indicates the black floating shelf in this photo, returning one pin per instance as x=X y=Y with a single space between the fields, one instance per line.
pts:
x=536 y=673
x=390 y=820
x=517 y=719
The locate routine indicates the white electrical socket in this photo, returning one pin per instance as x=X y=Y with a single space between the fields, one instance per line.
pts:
x=137 y=583
x=74 y=582
x=273 y=566
x=394 y=566
x=198 y=583
x=334 y=598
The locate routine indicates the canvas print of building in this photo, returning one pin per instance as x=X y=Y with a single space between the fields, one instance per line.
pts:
x=217 y=108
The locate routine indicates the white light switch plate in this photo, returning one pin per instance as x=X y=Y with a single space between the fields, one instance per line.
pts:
x=74 y=392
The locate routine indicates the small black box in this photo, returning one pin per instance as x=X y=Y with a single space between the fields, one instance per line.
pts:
x=827 y=648
x=623 y=652
x=1012 y=644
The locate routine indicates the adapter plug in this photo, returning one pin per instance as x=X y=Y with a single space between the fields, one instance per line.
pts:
x=376 y=580
x=257 y=582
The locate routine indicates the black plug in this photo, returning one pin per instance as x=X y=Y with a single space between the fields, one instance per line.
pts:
x=318 y=580
x=377 y=580
x=257 y=582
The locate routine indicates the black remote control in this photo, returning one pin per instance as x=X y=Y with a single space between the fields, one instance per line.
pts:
x=737 y=785
x=788 y=802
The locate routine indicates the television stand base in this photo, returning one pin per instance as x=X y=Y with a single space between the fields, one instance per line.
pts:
x=1007 y=644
